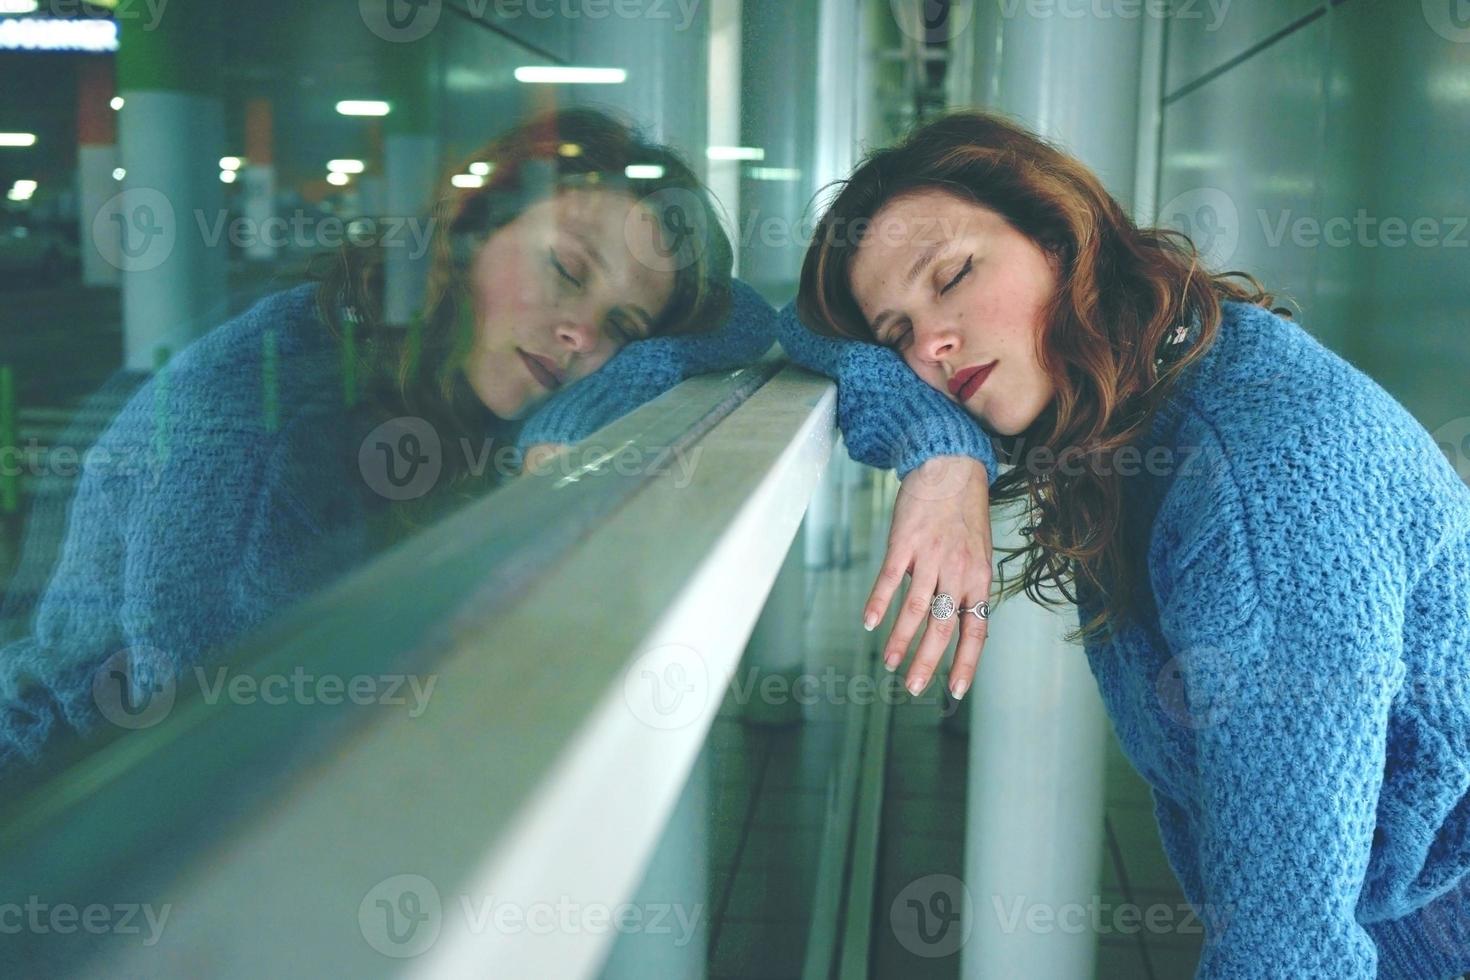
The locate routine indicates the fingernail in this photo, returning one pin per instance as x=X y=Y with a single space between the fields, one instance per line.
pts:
x=961 y=686
x=869 y=622
x=891 y=663
x=917 y=684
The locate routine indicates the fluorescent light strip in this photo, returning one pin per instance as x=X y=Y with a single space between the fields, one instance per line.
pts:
x=17 y=139
x=735 y=153
x=467 y=181
x=363 y=107
x=564 y=75
x=18 y=6
x=772 y=173
x=58 y=35
x=346 y=166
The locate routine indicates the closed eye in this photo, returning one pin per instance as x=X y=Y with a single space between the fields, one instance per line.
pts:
x=969 y=262
x=624 y=329
x=562 y=270
x=897 y=337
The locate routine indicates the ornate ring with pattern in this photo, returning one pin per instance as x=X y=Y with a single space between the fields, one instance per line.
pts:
x=942 y=607
x=980 y=609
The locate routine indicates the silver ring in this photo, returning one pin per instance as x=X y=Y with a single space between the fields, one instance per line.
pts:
x=942 y=606
x=980 y=609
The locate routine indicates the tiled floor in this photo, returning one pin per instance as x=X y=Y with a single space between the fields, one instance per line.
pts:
x=923 y=826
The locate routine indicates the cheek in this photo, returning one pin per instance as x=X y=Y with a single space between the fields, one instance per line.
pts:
x=505 y=289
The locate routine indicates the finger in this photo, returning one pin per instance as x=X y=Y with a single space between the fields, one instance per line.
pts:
x=935 y=641
x=895 y=566
x=973 y=632
x=539 y=457
x=911 y=614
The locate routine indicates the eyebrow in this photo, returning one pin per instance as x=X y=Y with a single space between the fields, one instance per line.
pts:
x=925 y=257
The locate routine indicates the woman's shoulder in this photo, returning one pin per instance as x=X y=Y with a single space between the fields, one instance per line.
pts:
x=247 y=378
x=1267 y=386
x=283 y=324
x=1300 y=437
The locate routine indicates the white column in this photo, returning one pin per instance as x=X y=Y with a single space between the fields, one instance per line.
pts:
x=173 y=273
x=1034 y=824
x=777 y=645
x=258 y=179
x=101 y=258
x=168 y=224
x=1038 y=727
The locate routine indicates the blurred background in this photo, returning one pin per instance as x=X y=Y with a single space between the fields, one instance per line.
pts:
x=166 y=162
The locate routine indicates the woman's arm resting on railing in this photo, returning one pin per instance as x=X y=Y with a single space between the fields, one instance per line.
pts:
x=645 y=369
x=940 y=536
x=890 y=418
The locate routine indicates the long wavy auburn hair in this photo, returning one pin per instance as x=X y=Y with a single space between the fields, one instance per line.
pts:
x=1122 y=292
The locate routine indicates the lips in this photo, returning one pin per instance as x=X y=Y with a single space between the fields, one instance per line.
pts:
x=543 y=369
x=965 y=383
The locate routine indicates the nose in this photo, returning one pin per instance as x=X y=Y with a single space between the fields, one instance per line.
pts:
x=936 y=340
x=577 y=334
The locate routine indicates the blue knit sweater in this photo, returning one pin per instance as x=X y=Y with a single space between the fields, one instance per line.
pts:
x=207 y=505
x=1296 y=693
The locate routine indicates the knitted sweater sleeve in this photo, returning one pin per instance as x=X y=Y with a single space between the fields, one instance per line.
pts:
x=1280 y=600
x=890 y=417
x=645 y=369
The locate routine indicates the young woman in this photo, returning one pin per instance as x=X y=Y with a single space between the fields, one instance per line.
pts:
x=296 y=440
x=1270 y=556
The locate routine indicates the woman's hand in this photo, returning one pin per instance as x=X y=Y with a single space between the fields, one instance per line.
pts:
x=538 y=458
x=941 y=538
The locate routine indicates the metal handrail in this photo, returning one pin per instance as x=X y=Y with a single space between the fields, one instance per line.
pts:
x=271 y=831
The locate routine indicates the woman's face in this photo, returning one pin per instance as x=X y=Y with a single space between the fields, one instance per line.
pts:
x=557 y=292
x=952 y=286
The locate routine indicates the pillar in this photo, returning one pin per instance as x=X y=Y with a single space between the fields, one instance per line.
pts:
x=411 y=169
x=171 y=136
x=96 y=160
x=1038 y=729
x=258 y=179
